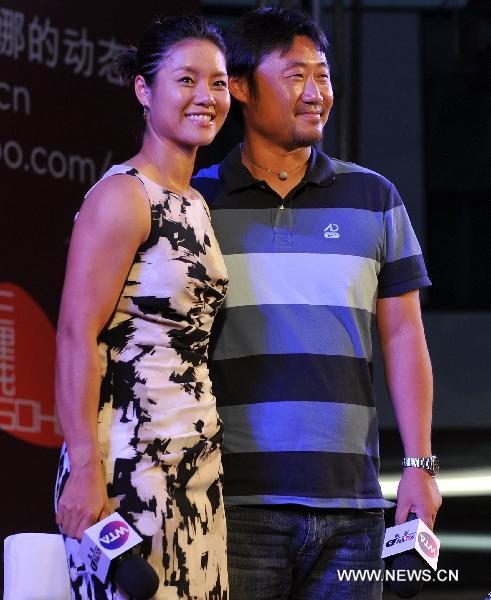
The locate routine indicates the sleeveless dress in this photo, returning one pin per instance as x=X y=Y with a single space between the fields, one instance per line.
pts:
x=159 y=432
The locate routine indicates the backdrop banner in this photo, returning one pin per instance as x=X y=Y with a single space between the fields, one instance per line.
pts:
x=64 y=120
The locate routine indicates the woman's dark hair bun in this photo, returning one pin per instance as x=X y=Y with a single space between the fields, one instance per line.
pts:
x=127 y=65
x=157 y=42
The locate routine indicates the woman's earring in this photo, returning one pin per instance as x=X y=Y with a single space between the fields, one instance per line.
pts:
x=145 y=112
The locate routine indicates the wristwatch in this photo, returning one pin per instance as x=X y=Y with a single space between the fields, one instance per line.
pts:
x=430 y=464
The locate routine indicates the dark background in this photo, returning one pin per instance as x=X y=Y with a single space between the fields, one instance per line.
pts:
x=412 y=84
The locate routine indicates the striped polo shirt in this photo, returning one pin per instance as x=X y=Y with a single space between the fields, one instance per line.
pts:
x=291 y=360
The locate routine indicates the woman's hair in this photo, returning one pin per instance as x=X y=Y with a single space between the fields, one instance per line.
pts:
x=157 y=42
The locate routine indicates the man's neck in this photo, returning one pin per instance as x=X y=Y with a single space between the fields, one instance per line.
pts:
x=281 y=168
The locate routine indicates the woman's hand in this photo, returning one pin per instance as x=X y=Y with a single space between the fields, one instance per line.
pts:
x=84 y=500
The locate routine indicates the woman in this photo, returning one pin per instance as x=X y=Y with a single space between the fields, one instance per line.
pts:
x=144 y=281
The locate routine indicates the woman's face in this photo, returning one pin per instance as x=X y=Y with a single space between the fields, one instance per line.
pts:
x=189 y=99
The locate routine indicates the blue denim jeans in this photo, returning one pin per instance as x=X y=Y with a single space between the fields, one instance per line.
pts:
x=278 y=552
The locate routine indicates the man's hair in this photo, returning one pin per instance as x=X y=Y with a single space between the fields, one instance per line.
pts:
x=263 y=31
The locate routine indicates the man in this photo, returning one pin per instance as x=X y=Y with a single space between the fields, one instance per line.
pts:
x=317 y=250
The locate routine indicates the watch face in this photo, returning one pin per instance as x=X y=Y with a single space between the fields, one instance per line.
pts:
x=431 y=465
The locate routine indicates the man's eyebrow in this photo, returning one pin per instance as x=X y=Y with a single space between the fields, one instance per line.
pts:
x=299 y=63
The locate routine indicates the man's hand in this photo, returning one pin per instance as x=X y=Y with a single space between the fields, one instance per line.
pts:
x=418 y=493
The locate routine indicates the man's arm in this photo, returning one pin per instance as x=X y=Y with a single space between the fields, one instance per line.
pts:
x=410 y=384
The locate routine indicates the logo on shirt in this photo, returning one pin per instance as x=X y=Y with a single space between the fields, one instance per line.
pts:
x=332 y=231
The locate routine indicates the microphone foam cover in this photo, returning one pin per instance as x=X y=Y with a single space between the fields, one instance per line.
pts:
x=406 y=589
x=136 y=578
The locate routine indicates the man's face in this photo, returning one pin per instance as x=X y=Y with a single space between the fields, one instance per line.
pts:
x=293 y=96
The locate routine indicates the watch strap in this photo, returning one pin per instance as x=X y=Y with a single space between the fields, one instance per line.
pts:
x=428 y=463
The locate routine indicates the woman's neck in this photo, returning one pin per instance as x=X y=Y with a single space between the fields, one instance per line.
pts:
x=168 y=164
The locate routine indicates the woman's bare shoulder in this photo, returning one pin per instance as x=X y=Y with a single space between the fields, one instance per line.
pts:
x=119 y=201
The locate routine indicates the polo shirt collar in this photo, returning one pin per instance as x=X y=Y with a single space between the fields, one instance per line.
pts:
x=235 y=175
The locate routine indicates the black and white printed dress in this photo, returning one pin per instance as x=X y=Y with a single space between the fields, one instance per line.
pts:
x=159 y=431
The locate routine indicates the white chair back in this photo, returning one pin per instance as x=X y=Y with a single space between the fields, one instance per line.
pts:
x=35 y=567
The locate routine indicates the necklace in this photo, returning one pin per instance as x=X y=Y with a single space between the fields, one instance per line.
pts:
x=282 y=175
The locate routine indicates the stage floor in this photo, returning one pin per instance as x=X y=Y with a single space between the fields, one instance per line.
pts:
x=445 y=595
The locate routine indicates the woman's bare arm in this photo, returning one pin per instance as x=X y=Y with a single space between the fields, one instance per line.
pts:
x=113 y=222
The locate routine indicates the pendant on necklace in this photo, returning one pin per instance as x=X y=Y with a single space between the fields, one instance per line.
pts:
x=282 y=175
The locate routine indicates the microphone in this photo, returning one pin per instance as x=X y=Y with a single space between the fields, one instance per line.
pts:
x=136 y=578
x=108 y=543
x=409 y=542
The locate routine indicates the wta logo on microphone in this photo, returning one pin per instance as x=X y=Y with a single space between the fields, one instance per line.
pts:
x=428 y=544
x=105 y=541
x=114 y=535
x=412 y=535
